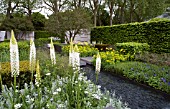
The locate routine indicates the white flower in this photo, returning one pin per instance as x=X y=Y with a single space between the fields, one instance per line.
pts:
x=14 y=55
x=96 y=96
x=32 y=55
x=48 y=74
x=86 y=92
x=52 y=53
x=17 y=106
x=59 y=90
x=55 y=93
x=98 y=63
x=76 y=58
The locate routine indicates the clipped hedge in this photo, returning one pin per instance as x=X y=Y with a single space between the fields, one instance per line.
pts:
x=24 y=76
x=46 y=34
x=23 y=47
x=155 y=33
x=41 y=42
x=132 y=47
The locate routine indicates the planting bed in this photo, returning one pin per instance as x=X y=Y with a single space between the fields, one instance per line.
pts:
x=136 y=96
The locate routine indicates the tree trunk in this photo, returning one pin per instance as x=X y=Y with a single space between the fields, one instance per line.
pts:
x=9 y=10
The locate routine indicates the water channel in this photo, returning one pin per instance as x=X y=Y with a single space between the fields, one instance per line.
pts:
x=135 y=95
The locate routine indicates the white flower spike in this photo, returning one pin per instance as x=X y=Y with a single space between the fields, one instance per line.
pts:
x=14 y=56
x=32 y=55
x=98 y=63
x=52 y=53
x=71 y=53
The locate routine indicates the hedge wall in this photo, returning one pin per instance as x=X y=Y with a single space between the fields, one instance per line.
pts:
x=46 y=34
x=155 y=33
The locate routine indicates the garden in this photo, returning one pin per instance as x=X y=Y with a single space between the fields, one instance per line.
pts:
x=35 y=76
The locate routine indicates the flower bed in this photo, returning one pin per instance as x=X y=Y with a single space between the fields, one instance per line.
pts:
x=84 y=50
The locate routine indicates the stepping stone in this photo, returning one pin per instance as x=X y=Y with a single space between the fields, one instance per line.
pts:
x=87 y=60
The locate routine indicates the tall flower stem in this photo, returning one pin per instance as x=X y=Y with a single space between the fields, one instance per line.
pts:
x=32 y=58
x=98 y=66
x=14 y=61
x=0 y=76
x=52 y=53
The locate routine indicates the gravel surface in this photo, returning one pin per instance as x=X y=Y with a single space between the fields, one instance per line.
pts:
x=136 y=96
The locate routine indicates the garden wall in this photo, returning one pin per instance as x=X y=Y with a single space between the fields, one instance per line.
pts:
x=155 y=33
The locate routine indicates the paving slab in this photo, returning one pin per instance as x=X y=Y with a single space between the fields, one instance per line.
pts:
x=87 y=60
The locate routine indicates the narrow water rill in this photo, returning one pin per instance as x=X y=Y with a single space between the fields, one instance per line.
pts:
x=136 y=96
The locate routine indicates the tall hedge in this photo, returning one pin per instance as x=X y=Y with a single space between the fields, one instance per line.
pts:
x=155 y=33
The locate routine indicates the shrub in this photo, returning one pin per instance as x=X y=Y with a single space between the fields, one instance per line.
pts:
x=156 y=34
x=101 y=47
x=46 y=34
x=42 y=41
x=23 y=47
x=111 y=57
x=24 y=77
x=132 y=47
x=85 y=50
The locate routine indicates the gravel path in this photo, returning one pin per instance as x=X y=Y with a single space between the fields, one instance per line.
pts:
x=137 y=97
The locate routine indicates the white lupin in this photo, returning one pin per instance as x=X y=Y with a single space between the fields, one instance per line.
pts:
x=37 y=76
x=52 y=53
x=71 y=53
x=76 y=58
x=14 y=55
x=32 y=55
x=98 y=63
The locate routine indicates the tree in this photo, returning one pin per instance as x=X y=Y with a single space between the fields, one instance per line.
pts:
x=38 y=21
x=30 y=5
x=112 y=7
x=74 y=4
x=8 y=7
x=17 y=24
x=94 y=5
x=72 y=22
x=55 y=5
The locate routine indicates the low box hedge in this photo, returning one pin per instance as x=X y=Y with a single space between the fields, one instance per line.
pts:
x=24 y=76
x=132 y=47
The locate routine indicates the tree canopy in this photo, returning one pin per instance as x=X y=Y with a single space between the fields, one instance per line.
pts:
x=71 y=22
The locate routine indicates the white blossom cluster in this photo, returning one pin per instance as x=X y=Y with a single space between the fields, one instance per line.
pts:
x=74 y=57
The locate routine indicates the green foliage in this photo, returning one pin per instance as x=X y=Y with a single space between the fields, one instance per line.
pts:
x=38 y=21
x=42 y=41
x=23 y=47
x=156 y=34
x=153 y=75
x=42 y=34
x=109 y=58
x=71 y=21
x=17 y=24
x=84 y=51
x=61 y=87
x=46 y=34
x=132 y=47
x=101 y=47
x=24 y=77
